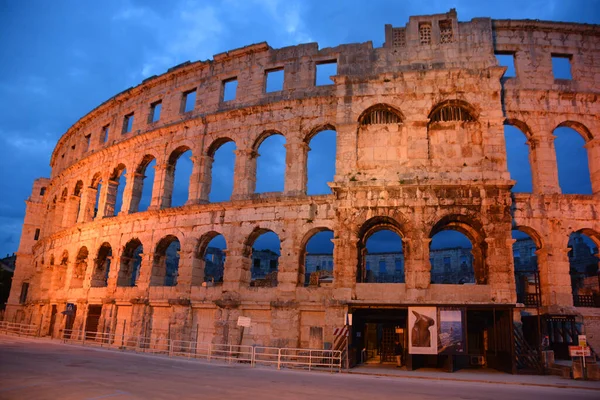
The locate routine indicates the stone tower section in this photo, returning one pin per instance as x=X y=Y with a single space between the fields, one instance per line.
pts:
x=420 y=149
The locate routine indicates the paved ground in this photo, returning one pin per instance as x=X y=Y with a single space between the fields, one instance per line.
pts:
x=37 y=369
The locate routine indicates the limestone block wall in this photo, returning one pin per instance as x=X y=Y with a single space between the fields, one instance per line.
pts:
x=419 y=149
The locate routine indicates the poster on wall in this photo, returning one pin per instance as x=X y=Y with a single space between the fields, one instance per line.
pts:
x=451 y=338
x=422 y=330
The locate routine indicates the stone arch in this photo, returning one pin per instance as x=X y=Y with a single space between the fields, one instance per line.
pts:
x=64 y=194
x=583 y=267
x=131 y=261
x=165 y=265
x=525 y=246
x=472 y=228
x=78 y=188
x=318 y=156
x=102 y=265
x=304 y=278
x=201 y=272
x=379 y=114
x=575 y=160
x=79 y=268
x=139 y=182
x=216 y=144
x=520 y=155
x=214 y=158
x=578 y=127
x=114 y=191
x=318 y=129
x=259 y=273
x=263 y=136
x=171 y=167
x=96 y=180
x=533 y=234
x=270 y=167
x=365 y=231
x=521 y=125
x=453 y=110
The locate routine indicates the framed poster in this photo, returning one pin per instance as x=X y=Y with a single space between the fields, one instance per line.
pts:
x=451 y=337
x=422 y=330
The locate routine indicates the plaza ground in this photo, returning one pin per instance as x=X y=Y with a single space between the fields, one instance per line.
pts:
x=43 y=369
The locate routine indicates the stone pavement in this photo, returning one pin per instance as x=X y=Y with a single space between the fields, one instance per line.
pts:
x=475 y=375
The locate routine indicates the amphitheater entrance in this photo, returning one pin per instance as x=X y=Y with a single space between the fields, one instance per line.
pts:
x=92 y=320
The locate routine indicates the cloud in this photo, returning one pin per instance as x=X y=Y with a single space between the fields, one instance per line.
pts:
x=27 y=144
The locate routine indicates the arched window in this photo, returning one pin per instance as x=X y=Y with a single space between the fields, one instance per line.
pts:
x=380 y=114
x=209 y=260
x=102 y=266
x=316 y=259
x=583 y=261
x=572 y=161
x=114 y=192
x=381 y=255
x=143 y=183
x=131 y=261
x=321 y=162
x=270 y=164
x=220 y=169
x=451 y=258
x=95 y=200
x=527 y=278
x=165 y=267
x=79 y=268
x=451 y=110
x=517 y=154
x=263 y=248
x=179 y=171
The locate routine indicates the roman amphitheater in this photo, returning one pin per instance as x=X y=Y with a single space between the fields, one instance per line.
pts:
x=420 y=149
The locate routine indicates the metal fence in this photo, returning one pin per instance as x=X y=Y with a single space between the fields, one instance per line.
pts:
x=13 y=328
x=309 y=359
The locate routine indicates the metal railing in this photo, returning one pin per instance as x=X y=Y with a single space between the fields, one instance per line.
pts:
x=310 y=359
x=13 y=328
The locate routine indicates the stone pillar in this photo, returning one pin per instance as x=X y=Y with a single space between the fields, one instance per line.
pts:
x=544 y=170
x=71 y=211
x=555 y=279
x=200 y=180
x=499 y=260
x=162 y=187
x=236 y=269
x=57 y=218
x=296 y=157
x=244 y=183
x=344 y=260
x=287 y=270
x=593 y=153
x=145 y=273
x=132 y=193
x=346 y=154
x=88 y=202
x=113 y=272
x=184 y=272
x=417 y=269
x=102 y=201
x=110 y=198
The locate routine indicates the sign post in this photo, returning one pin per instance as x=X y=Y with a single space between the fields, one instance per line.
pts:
x=581 y=351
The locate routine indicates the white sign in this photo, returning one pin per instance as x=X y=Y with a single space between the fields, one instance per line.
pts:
x=579 y=351
x=582 y=340
x=244 y=321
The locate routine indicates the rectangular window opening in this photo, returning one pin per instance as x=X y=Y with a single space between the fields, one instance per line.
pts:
x=37 y=234
x=88 y=139
x=230 y=89
x=446 y=35
x=24 y=290
x=127 y=123
x=43 y=190
x=104 y=135
x=507 y=60
x=274 y=80
x=155 y=109
x=561 y=66
x=425 y=33
x=325 y=70
x=188 y=101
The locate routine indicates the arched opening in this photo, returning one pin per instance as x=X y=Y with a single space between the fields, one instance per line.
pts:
x=380 y=114
x=177 y=180
x=452 y=110
x=583 y=267
x=209 y=260
x=221 y=169
x=527 y=277
x=77 y=193
x=518 y=158
x=114 y=192
x=380 y=252
x=79 y=268
x=572 y=161
x=456 y=253
x=63 y=196
x=95 y=198
x=102 y=266
x=131 y=261
x=265 y=249
x=143 y=182
x=316 y=259
x=270 y=164
x=321 y=162
x=165 y=266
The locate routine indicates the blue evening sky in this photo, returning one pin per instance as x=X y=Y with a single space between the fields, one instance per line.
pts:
x=61 y=59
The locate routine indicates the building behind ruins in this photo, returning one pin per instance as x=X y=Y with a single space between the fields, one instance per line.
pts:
x=420 y=149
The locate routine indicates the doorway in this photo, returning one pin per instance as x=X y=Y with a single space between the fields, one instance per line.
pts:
x=374 y=334
x=92 y=321
x=52 y=321
x=70 y=321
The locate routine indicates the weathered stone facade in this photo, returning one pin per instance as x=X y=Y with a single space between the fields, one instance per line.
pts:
x=420 y=149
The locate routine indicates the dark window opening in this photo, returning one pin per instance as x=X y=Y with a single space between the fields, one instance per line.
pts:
x=127 y=123
x=446 y=35
x=561 y=66
x=24 y=290
x=325 y=70
x=37 y=234
x=104 y=135
x=155 y=109
x=188 y=101
x=381 y=116
x=230 y=89
x=42 y=191
x=274 y=80
x=88 y=139
x=425 y=33
x=507 y=60
x=451 y=112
